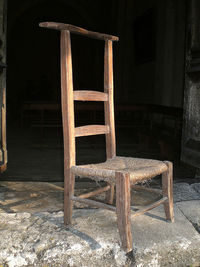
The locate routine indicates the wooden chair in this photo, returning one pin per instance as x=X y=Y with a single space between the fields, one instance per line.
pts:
x=122 y=172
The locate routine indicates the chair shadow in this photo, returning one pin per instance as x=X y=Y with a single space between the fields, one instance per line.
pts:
x=155 y=216
x=148 y=214
x=94 y=245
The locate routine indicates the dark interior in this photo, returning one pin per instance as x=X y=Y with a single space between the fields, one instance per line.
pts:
x=149 y=83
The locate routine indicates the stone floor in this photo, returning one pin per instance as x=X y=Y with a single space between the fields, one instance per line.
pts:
x=31 y=210
x=32 y=231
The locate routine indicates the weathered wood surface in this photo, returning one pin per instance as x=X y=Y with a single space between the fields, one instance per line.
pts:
x=149 y=207
x=95 y=192
x=123 y=198
x=91 y=130
x=68 y=123
x=167 y=188
x=90 y=96
x=3 y=132
x=110 y=195
x=109 y=106
x=77 y=30
x=93 y=203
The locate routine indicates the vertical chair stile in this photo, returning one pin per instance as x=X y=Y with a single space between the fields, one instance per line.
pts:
x=167 y=188
x=68 y=123
x=109 y=109
x=123 y=208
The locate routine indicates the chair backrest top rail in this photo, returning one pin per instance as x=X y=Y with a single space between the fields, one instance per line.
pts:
x=84 y=95
x=78 y=30
x=91 y=130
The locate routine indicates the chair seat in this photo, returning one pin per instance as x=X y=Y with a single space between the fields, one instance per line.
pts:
x=139 y=169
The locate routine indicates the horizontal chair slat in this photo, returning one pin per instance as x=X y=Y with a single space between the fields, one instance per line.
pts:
x=94 y=203
x=141 y=188
x=91 y=130
x=149 y=207
x=77 y=30
x=90 y=96
x=95 y=192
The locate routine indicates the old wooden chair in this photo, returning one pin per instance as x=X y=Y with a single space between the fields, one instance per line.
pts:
x=122 y=172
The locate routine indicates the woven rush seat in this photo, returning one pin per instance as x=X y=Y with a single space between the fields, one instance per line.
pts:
x=139 y=169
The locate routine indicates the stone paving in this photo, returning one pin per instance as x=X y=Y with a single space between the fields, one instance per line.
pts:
x=32 y=231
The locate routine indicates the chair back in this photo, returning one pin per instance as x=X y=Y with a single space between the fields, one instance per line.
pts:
x=68 y=95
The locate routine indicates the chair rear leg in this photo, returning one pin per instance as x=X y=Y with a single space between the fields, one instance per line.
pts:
x=68 y=193
x=167 y=188
x=110 y=195
x=123 y=210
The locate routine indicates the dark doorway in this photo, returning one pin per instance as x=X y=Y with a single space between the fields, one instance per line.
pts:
x=148 y=82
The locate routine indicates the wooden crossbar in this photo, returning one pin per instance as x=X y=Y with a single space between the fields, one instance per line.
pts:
x=91 y=130
x=142 y=188
x=90 y=96
x=149 y=207
x=94 y=203
x=95 y=192
x=112 y=208
x=77 y=30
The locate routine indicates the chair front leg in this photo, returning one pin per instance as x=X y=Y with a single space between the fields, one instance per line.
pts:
x=167 y=188
x=110 y=194
x=123 y=209
x=68 y=193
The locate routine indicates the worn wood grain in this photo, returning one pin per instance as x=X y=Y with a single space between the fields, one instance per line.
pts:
x=110 y=195
x=94 y=203
x=95 y=192
x=91 y=130
x=148 y=189
x=167 y=188
x=123 y=198
x=149 y=207
x=77 y=30
x=3 y=167
x=109 y=108
x=90 y=96
x=68 y=122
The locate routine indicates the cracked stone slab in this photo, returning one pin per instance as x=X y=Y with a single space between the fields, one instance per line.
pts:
x=184 y=192
x=191 y=209
x=41 y=239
